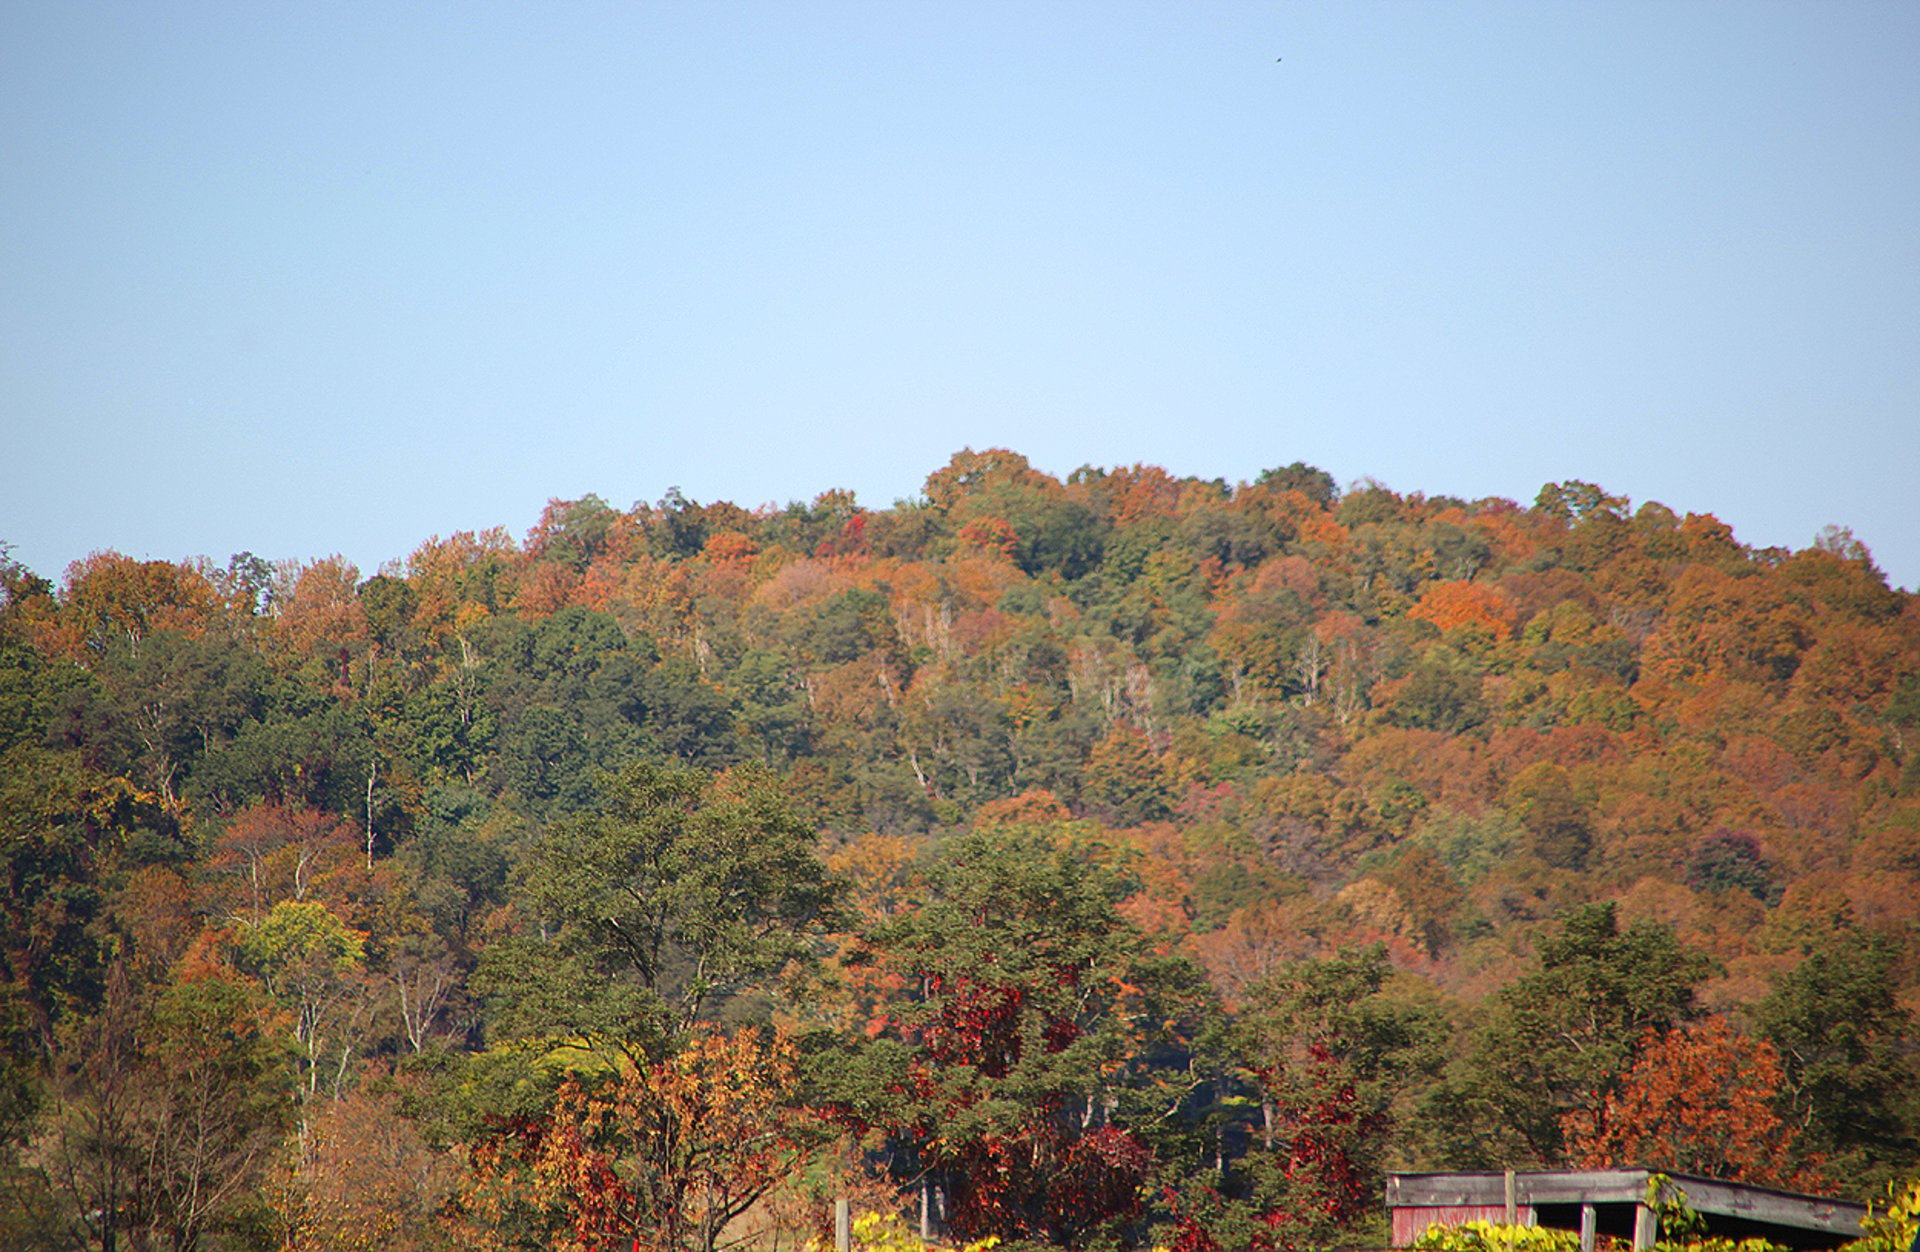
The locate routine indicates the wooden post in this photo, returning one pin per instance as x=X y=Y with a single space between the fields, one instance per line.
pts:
x=1646 y=1227
x=1589 y=1225
x=1513 y=1201
x=843 y=1225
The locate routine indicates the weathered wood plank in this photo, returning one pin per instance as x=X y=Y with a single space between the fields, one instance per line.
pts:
x=1610 y=1187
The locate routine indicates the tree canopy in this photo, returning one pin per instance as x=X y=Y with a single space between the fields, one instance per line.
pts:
x=1112 y=860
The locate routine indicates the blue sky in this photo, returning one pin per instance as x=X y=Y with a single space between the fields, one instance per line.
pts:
x=305 y=278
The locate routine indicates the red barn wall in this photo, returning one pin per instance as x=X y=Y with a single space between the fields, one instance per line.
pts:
x=1409 y=1222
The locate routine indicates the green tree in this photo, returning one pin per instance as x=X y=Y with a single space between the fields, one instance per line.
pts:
x=1443 y=692
x=295 y=756
x=1309 y=480
x=31 y=684
x=1574 y=500
x=1332 y=1056
x=681 y=893
x=1557 y=1040
x=155 y=708
x=1125 y=783
x=1560 y=820
x=62 y=830
x=1844 y=1042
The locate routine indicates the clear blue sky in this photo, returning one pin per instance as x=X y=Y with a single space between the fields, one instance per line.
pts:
x=304 y=278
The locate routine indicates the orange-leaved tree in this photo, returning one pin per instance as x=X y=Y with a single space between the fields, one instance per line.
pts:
x=663 y=1155
x=1452 y=604
x=1696 y=1100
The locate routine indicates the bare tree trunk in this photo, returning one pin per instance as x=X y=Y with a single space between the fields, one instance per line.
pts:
x=373 y=776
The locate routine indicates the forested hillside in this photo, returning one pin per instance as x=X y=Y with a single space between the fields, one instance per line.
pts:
x=1125 y=859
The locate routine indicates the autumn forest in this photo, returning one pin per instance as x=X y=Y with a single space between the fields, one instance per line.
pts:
x=1119 y=862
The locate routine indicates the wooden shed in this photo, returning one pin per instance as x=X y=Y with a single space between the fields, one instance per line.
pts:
x=1614 y=1202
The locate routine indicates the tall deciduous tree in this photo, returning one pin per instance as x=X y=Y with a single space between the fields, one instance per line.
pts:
x=212 y=1112
x=681 y=892
x=167 y=1112
x=1697 y=1100
x=314 y=964
x=665 y=1153
x=61 y=828
x=1331 y=1055
x=1844 y=1043
x=1039 y=1044
x=1558 y=1039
